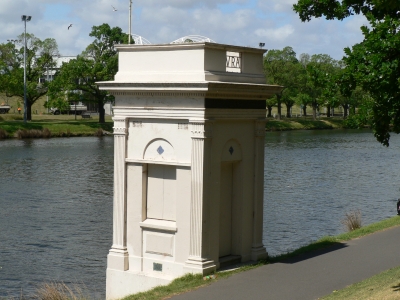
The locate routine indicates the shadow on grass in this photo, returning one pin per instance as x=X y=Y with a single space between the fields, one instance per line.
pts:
x=278 y=125
x=311 y=124
x=313 y=250
x=300 y=123
x=337 y=122
x=396 y=288
x=11 y=127
x=108 y=126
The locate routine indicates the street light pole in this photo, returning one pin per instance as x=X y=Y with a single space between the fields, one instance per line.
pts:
x=130 y=21
x=47 y=95
x=25 y=19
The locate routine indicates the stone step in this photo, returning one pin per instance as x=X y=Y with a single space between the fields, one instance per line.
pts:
x=229 y=260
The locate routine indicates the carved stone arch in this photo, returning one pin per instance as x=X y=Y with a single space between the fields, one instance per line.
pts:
x=159 y=150
x=232 y=151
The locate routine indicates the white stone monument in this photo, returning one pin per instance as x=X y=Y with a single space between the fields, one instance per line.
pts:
x=189 y=126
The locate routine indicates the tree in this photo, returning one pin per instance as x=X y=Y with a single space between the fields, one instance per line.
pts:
x=280 y=68
x=373 y=64
x=8 y=62
x=349 y=97
x=335 y=9
x=39 y=55
x=315 y=85
x=99 y=62
x=270 y=103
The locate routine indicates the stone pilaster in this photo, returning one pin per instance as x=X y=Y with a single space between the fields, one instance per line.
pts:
x=118 y=255
x=258 y=250
x=200 y=169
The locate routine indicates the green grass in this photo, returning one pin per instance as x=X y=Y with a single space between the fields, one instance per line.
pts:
x=329 y=241
x=385 y=285
x=186 y=283
x=190 y=282
x=304 y=123
x=63 y=125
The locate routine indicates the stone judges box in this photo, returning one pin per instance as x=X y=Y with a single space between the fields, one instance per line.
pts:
x=189 y=126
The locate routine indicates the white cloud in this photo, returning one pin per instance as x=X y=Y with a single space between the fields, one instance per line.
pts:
x=276 y=5
x=237 y=22
x=278 y=34
x=354 y=24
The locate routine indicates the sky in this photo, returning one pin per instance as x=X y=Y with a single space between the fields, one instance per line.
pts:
x=232 y=22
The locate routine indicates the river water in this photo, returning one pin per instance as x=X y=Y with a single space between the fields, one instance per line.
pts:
x=56 y=200
x=55 y=213
x=312 y=178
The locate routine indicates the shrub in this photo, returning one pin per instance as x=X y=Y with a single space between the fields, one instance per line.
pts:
x=352 y=220
x=99 y=132
x=58 y=291
x=3 y=134
x=32 y=133
x=46 y=133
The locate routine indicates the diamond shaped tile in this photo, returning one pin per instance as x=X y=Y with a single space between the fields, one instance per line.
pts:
x=160 y=150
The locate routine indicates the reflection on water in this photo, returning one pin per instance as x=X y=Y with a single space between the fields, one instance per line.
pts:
x=55 y=213
x=312 y=178
x=56 y=200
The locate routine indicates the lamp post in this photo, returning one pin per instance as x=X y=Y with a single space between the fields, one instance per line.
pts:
x=48 y=79
x=25 y=19
x=13 y=41
x=130 y=21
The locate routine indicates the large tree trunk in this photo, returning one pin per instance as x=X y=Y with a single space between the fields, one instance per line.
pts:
x=328 y=111
x=28 y=110
x=269 y=109
x=278 y=96
x=305 y=110
x=288 y=113
x=314 y=111
x=345 y=111
x=102 y=111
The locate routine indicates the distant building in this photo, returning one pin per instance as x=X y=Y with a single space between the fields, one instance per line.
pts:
x=48 y=74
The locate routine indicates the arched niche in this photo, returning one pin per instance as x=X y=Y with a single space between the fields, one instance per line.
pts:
x=232 y=151
x=159 y=150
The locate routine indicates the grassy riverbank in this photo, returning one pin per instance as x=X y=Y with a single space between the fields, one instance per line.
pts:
x=305 y=123
x=12 y=125
x=69 y=125
x=385 y=285
x=190 y=282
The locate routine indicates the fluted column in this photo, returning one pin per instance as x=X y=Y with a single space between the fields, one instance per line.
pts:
x=118 y=256
x=258 y=250
x=200 y=172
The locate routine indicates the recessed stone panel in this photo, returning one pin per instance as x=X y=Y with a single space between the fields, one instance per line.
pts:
x=159 y=243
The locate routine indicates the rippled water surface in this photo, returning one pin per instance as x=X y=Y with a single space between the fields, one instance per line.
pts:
x=312 y=178
x=56 y=200
x=55 y=213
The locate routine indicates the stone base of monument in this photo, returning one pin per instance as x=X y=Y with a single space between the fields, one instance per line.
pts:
x=229 y=260
x=123 y=283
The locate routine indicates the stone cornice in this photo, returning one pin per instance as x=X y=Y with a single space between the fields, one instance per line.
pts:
x=196 y=45
x=158 y=94
x=219 y=90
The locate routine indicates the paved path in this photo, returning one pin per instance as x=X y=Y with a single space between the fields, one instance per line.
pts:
x=310 y=276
